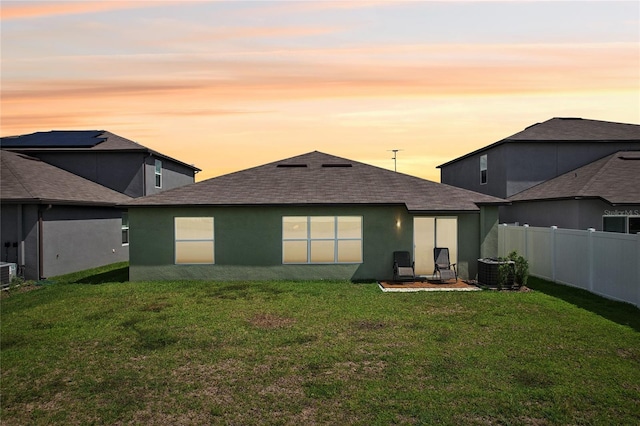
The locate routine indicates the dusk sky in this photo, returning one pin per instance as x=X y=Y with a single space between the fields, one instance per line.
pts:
x=230 y=85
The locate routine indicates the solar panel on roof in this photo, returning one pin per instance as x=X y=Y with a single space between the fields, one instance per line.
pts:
x=55 y=139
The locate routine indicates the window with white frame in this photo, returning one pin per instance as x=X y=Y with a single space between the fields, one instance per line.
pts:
x=125 y=229
x=194 y=240
x=322 y=239
x=483 y=169
x=158 y=173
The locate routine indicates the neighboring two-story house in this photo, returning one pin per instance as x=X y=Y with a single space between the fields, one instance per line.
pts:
x=553 y=151
x=60 y=194
x=105 y=158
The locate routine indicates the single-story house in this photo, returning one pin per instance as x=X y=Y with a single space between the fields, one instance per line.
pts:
x=54 y=222
x=309 y=217
x=603 y=195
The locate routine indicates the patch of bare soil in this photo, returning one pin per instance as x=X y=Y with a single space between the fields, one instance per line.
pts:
x=271 y=321
x=23 y=288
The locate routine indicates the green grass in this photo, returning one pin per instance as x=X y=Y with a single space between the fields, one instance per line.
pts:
x=93 y=349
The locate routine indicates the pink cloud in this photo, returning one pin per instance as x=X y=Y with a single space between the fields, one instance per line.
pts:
x=25 y=10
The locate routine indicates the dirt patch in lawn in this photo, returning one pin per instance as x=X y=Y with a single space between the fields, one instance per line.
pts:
x=271 y=321
x=23 y=288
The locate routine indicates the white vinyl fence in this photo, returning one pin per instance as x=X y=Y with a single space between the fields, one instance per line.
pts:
x=604 y=263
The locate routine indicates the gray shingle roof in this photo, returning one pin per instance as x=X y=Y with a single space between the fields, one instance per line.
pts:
x=615 y=178
x=320 y=179
x=28 y=180
x=563 y=129
x=578 y=129
x=77 y=140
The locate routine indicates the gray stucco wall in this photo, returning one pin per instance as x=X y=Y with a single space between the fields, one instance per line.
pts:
x=26 y=255
x=568 y=214
x=516 y=166
x=466 y=173
x=77 y=238
x=120 y=171
x=248 y=243
x=9 y=232
x=531 y=163
x=174 y=175
x=30 y=227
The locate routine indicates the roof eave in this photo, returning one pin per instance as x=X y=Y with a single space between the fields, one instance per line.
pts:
x=40 y=201
x=472 y=153
x=565 y=198
x=226 y=205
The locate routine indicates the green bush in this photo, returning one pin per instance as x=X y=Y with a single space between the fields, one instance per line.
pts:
x=518 y=270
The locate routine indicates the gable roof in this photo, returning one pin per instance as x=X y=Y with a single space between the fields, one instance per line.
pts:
x=567 y=129
x=78 y=141
x=29 y=180
x=614 y=178
x=316 y=178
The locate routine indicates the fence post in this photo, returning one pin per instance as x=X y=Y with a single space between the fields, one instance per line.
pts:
x=502 y=245
x=526 y=241
x=554 y=228
x=590 y=258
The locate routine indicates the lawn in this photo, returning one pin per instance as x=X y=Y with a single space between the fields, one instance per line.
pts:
x=91 y=348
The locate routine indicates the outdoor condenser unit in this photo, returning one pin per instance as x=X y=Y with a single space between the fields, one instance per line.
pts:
x=488 y=272
x=7 y=273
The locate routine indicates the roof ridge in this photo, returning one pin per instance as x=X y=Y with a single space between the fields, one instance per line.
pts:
x=19 y=177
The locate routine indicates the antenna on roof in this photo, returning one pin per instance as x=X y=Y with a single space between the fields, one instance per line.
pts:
x=394 y=158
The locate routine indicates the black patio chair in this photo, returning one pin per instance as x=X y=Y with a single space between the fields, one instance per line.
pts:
x=403 y=267
x=444 y=269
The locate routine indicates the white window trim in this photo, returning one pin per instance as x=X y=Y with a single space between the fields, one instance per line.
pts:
x=335 y=239
x=125 y=227
x=156 y=173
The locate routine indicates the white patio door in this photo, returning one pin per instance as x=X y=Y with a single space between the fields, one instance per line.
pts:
x=430 y=232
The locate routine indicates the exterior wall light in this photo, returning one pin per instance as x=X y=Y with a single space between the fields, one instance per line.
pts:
x=398 y=223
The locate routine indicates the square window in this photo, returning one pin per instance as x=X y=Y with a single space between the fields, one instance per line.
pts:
x=323 y=227
x=294 y=252
x=349 y=227
x=294 y=227
x=194 y=240
x=350 y=251
x=323 y=251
